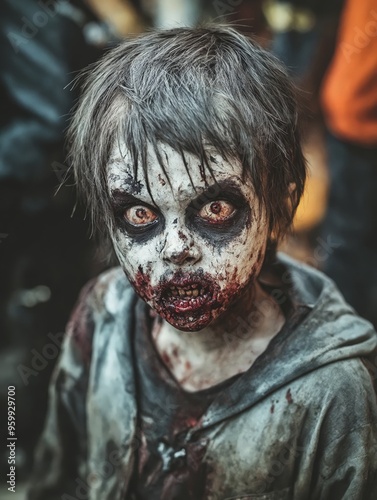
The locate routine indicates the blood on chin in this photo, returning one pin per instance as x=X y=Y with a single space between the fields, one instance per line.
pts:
x=189 y=302
x=189 y=315
x=188 y=321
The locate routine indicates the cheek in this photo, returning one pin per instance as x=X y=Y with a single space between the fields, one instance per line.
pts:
x=237 y=274
x=134 y=257
x=123 y=248
x=137 y=271
x=241 y=260
x=141 y=281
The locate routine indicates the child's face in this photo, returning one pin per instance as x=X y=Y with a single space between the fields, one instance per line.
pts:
x=192 y=250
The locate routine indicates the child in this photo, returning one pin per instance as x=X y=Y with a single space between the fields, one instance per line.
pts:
x=224 y=371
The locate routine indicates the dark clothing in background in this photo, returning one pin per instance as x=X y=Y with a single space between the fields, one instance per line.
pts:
x=44 y=253
x=318 y=7
x=304 y=34
x=40 y=51
x=351 y=224
x=349 y=102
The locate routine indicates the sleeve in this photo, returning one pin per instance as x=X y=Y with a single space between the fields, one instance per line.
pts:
x=60 y=456
x=348 y=469
x=345 y=463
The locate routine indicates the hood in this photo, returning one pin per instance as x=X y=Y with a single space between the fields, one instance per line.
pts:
x=331 y=331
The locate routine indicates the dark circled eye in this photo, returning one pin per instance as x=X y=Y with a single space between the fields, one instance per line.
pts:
x=139 y=215
x=217 y=211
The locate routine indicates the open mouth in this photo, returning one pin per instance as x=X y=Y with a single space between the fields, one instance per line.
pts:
x=189 y=293
x=187 y=298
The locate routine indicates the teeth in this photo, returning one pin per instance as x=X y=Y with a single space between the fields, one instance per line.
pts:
x=189 y=293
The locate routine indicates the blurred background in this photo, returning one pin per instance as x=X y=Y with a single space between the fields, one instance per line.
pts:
x=46 y=253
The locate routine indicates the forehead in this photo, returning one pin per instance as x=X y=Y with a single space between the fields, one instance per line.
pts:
x=171 y=173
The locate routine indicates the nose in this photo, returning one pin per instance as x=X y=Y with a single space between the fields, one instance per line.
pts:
x=180 y=249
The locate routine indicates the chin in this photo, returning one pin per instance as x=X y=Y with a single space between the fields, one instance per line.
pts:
x=192 y=320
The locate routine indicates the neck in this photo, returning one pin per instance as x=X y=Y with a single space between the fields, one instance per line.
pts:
x=229 y=345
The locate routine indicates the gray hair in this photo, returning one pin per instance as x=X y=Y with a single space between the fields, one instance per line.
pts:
x=190 y=87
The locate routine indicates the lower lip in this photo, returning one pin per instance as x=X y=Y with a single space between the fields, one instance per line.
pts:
x=187 y=305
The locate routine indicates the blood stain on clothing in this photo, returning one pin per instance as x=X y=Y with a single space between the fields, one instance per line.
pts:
x=288 y=397
x=82 y=326
x=192 y=422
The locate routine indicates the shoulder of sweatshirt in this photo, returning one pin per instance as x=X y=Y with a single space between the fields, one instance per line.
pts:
x=101 y=298
x=337 y=397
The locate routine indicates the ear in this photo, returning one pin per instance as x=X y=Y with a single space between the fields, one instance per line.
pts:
x=273 y=235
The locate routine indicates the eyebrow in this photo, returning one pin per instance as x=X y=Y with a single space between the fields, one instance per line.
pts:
x=120 y=197
x=218 y=190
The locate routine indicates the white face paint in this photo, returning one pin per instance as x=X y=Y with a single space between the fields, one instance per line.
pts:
x=191 y=249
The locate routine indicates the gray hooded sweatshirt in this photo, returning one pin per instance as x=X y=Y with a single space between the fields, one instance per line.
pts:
x=300 y=424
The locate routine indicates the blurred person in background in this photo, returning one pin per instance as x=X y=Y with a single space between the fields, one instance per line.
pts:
x=349 y=101
x=303 y=35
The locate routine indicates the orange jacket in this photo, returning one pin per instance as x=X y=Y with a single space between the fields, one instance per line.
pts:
x=349 y=92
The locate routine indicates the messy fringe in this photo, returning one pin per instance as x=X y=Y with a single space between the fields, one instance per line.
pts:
x=190 y=88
